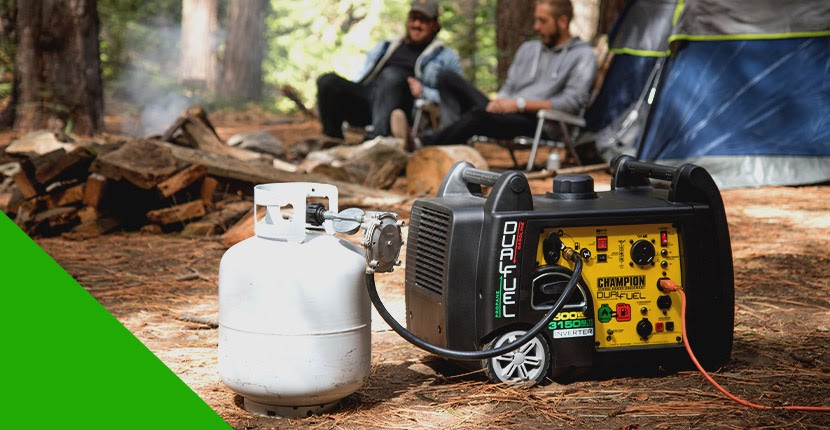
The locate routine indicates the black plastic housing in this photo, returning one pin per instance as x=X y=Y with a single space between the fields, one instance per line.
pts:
x=454 y=248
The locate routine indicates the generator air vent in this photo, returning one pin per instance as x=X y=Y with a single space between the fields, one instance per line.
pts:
x=430 y=248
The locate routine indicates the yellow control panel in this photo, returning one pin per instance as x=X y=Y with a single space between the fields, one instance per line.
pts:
x=622 y=266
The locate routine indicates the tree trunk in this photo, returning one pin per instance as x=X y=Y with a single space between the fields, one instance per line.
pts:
x=58 y=67
x=8 y=42
x=514 y=25
x=586 y=18
x=242 y=63
x=198 y=68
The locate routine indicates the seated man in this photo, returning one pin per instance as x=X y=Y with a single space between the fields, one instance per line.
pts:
x=556 y=72
x=396 y=72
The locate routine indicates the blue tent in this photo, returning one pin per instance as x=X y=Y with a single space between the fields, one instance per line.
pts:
x=638 y=41
x=745 y=93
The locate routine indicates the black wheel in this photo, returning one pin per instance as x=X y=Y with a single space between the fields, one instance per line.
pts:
x=527 y=364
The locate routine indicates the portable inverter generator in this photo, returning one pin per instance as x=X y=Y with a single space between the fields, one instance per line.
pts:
x=481 y=271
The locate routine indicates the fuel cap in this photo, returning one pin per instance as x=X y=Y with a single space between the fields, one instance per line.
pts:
x=573 y=187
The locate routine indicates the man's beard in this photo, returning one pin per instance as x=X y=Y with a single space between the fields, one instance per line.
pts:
x=408 y=39
x=551 y=40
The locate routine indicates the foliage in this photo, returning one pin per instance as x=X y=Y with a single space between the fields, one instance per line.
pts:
x=475 y=41
x=126 y=24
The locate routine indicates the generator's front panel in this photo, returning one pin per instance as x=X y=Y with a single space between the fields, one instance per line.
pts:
x=622 y=266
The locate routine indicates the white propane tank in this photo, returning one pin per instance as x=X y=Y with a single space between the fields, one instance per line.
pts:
x=294 y=315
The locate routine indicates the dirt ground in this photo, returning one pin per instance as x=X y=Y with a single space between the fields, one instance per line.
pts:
x=156 y=284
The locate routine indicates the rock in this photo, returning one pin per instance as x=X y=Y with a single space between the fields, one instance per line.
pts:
x=38 y=143
x=259 y=141
x=376 y=163
x=301 y=149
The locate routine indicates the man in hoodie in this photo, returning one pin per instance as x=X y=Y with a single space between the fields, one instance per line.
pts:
x=553 y=72
x=395 y=73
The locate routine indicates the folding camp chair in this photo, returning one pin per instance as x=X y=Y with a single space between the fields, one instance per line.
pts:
x=569 y=128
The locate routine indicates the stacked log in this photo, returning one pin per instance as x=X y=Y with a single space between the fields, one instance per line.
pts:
x=190 y=182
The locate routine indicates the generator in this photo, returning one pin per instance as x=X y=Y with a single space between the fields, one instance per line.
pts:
x=481 y=271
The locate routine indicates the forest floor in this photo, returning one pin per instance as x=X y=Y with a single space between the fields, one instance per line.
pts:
x=781 y=355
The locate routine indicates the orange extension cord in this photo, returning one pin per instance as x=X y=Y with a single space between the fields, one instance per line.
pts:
x=669 y=285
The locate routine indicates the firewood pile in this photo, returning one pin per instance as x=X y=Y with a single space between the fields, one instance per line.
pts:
x=187 y=180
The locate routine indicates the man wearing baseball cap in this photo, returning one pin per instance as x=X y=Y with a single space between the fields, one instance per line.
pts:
x=396 y=72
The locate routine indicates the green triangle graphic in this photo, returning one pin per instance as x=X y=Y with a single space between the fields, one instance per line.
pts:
x=70 y=364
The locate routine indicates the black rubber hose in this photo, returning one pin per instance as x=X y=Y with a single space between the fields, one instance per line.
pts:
x=474 y=355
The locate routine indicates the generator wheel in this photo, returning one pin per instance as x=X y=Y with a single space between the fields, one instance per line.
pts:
x=526 y=365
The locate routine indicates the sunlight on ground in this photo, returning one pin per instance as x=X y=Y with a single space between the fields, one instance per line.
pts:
x=807 y=219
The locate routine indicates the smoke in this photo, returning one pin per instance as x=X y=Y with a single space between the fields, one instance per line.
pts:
x=149 y=86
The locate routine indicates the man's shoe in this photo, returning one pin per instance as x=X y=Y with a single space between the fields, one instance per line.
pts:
x=400 y=128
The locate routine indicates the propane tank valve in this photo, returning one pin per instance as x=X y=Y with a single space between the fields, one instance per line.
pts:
x=382 y=237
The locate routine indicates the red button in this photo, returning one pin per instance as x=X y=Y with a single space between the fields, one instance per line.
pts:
x=623 y=312
x=658 y=326
x=664 y=238
x=602 y=243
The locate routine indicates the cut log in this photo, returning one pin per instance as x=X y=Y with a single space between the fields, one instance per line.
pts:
x=178 y=213
x=349 y=174
x=284 y=166
x=167 y=136
x=14 y=203
x=209 y=186
x=87 y=214
x=375 y=164
x=218 y=221
x=182 y=180
x=53 y=221
x=152 y=229
x=60 y=165
x=383 y=173
x=230 y=168
x=93 y=228
x=201 y=134
x=143 y=163
x=25 y=184
x=292 y=94
x=243 y=229
x=65 y=197
x=427 y=168
x=94 y=190
x=5 y=200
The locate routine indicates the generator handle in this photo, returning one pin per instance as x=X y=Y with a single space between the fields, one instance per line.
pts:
x=464 y=179
x=630 y=171
x=481 y=177
x=653 y=171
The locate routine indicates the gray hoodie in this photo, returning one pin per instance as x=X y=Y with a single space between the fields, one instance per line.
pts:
x=563 y=75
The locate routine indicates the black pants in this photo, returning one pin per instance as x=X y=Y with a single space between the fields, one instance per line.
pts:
x=339 y=99
x=464 y=115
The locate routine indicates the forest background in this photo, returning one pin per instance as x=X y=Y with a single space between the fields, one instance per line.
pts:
x=151 y=52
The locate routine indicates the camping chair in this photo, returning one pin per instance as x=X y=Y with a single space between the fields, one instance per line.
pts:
x=569 y=126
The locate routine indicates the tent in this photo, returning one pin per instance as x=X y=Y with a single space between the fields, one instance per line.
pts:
x=745 y=92
x=638 y=41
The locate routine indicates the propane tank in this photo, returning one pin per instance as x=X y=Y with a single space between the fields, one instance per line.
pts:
x=294 y=315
